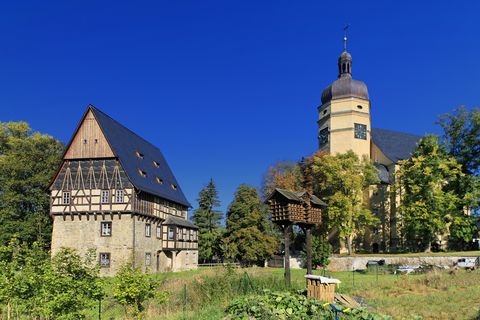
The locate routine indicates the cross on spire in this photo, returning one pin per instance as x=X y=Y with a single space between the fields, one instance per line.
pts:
x=345 y=37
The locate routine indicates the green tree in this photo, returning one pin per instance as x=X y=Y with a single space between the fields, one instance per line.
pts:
x=429 y=205
x=462 y=137
x=134 y=289
x=321 y=252
x=249 y=236
x=207 y=218
x=342 y=180
x=28 y=161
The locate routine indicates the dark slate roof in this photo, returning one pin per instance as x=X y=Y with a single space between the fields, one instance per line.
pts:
x=125 y=144
x=395 y=145
x=297 y=196
x=383 y=173
x=171 y=220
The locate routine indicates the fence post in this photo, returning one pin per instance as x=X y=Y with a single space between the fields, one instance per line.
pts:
x=100 y=309
x=184 y=299
x=376 y=273
x=353 y=276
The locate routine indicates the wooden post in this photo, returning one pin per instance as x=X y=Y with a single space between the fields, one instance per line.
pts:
x=286 y=257
x=308 y=240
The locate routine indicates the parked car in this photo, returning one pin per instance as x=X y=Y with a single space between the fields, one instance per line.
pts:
x=468 y=263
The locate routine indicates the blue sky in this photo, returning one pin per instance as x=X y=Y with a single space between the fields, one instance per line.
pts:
x=227 y=88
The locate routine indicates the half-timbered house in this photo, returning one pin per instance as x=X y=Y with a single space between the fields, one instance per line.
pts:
x=114 y=192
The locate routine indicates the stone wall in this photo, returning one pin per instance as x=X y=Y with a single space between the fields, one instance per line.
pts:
x=360 y=262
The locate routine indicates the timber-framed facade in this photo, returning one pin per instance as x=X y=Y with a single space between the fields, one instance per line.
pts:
x=114 y=192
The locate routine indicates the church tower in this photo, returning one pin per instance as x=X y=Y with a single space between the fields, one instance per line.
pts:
x=344 y=116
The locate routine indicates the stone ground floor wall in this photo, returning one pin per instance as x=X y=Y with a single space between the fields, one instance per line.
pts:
x=359 y=263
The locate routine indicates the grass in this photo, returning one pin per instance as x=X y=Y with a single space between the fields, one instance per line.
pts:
x=437 y=295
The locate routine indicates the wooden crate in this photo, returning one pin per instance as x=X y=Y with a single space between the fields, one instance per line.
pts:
x=318 y=289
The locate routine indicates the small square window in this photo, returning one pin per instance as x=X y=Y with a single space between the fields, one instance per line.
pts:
x=66 y=198
x=106 y=229
x=148 y=230
x=159 y=231
x=119 y=196
x=105 y=196
x=148 y=258
x=105 y=259
x=171 y=233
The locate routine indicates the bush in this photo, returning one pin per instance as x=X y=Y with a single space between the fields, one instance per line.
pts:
x=133 y=289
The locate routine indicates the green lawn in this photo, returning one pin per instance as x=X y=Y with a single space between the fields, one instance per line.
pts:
x=204 y=293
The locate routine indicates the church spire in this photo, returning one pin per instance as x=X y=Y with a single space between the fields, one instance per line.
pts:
x=345 y=59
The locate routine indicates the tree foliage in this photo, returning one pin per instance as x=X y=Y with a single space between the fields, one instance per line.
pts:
x=249 y=236
x=284 y=175
x=63 y=287
x=341 y=180
x=430 y=206
x=462 y=137
x=321 y=251
x=28 y=161
x=207 y=218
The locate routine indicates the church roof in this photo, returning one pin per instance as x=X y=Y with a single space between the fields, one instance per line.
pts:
x=137 y=156
x=395 y=145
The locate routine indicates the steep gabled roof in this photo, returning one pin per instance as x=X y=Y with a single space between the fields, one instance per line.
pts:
x=125 y=145
x=297 y=196
x=395 y=145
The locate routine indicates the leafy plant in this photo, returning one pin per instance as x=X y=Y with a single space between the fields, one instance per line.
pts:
x=289 y=305
x=133 y=289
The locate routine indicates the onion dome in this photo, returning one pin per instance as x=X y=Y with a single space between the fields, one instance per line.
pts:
x=345 y=86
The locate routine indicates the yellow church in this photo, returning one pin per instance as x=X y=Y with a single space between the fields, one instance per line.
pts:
x=344 y=123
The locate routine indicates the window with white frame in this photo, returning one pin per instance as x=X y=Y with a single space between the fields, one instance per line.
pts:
x=119 y=196
x=180 y=233
x=148 y=230
x=106 y=228
x=159 y=231
x=104 y=259
x=148 y=258
x=66 y=197
x=105 y=196
x=188 y=235
x=171 y=233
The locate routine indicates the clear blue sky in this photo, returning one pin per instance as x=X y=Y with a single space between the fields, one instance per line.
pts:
x=226 y=88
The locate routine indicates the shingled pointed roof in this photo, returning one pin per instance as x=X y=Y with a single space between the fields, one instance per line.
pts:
x=297 y=196
x=395 y=145
x=125 y=144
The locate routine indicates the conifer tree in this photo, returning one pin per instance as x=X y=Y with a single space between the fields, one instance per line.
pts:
x=208 y=219
x=249 y=234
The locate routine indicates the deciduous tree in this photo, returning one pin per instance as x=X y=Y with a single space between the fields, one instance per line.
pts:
x=341 y=180
x=430 y=207
x=28 y=161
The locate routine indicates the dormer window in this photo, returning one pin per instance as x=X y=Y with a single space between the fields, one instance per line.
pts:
x=159 y=180
x=139 y=155
x=174 y=187
x=142 y=173
x=156 y=164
